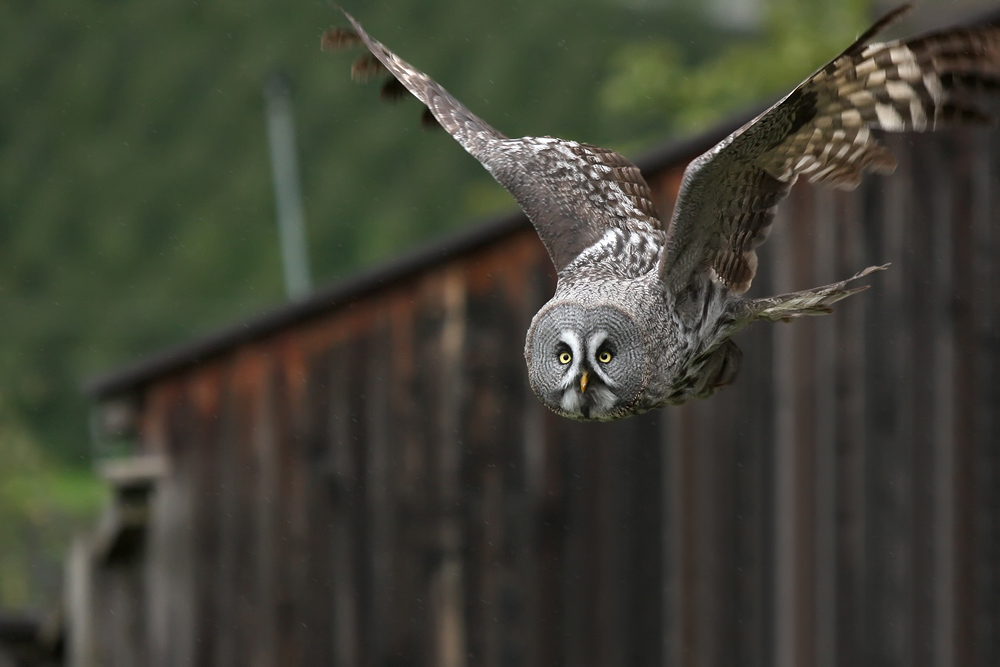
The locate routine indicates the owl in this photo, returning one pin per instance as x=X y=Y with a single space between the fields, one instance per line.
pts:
x=643 y=311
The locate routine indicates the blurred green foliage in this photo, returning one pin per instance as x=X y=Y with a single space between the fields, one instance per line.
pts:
x=657 y=77
x=135 y=196
x=42 y=504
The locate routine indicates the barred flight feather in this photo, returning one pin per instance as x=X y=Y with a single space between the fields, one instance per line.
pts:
x=365 y=68
x=336 y=39
x=823 y=131
x=392 y=90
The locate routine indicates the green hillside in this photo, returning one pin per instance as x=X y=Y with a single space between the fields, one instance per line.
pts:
x=135 y=196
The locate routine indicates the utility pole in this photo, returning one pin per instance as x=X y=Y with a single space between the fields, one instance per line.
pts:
x=287 y=188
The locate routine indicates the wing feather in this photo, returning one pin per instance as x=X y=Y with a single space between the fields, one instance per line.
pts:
x=823 y=131
x=472 y=132
x=572 y=192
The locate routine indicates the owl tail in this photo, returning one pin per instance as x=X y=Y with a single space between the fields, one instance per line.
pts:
x=816 y=301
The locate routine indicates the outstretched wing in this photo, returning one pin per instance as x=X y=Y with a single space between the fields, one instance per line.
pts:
x=823 y=131
x=572 y=192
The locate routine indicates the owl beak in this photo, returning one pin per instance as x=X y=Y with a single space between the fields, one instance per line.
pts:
x=584 y=379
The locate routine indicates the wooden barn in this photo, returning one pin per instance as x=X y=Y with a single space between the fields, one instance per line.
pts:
x=365 y=478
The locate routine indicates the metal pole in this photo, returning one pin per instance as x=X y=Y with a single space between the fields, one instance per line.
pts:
x=287 y=190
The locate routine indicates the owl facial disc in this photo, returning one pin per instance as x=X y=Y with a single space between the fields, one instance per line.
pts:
x=585 y=363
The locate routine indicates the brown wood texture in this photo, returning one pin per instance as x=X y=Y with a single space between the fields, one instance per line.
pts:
x=377 y=486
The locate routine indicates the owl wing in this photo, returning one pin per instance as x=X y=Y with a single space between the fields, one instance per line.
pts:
x=572 y=192
x=822 y=130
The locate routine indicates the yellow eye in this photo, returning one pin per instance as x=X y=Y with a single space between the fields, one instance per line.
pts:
x=565 y=357
x=604 y=357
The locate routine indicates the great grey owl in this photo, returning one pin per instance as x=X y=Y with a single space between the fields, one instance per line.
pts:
x=643 y=311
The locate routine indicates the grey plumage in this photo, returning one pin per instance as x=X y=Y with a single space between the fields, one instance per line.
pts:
x=643 y=312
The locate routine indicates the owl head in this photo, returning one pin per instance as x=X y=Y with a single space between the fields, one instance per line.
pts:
x=586 y=362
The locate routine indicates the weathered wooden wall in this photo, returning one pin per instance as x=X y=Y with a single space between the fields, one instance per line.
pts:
x=375 y=485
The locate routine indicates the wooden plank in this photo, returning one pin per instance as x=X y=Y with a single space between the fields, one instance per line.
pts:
x=703 y=578
x=410 y=488
x=794 y=447
x=551 y=547
x=574 y=577
x=921 y=392
x=887 y=557
x=172 y=577
x=683 y=518
x=986 y=260
x=850 y=355
x=226 y=509
x=206 y=566
x=959 y=359
x=642 y=538
x=292 y=527
x=498 y=518
x=825 y=429
x=991 y=400
x=317 y=646
x=607 y=539
x=670 y=552
x=264 y=638
x=342 y=471
x=239 y=429
x=447 y=583
x=754 y=454
x=378 y=501
x=354 y=538
x=591 y=497
x=433 y=538
x=752 y=463
x=718 y=579
x=539 y=548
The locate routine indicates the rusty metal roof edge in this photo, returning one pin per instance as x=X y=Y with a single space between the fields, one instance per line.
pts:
x=131 y=376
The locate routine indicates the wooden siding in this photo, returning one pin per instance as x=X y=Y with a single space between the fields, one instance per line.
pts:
x=377 y=486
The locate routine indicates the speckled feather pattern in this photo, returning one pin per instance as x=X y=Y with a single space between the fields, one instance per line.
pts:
x=823 y=131
x=666 y=299
x=572 y=192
